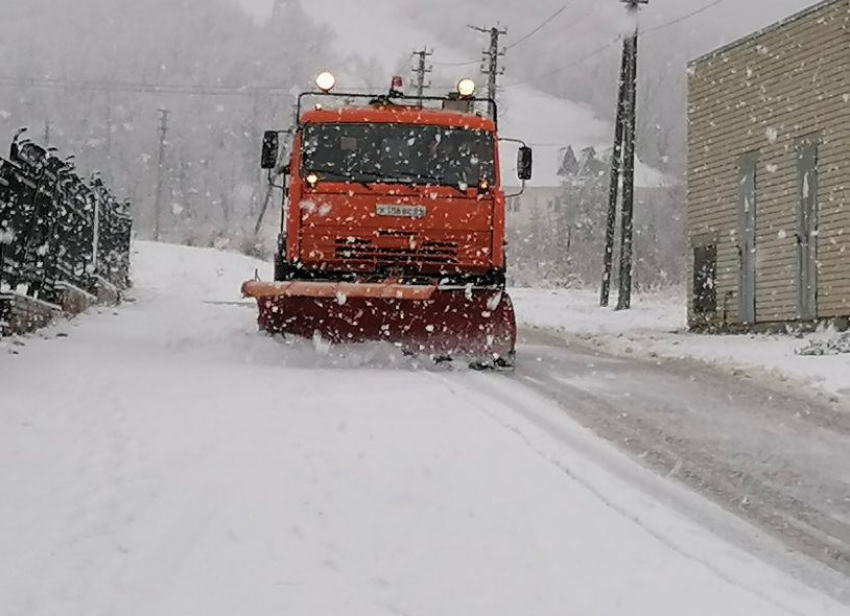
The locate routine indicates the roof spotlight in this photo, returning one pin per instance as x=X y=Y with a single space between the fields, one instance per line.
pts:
x=466 y=88
x=325 y=82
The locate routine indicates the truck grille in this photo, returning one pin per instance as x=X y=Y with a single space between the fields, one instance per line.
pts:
x=356 y=249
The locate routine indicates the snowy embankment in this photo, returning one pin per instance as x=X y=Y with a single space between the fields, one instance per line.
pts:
x=656 y=328
x=164 y=458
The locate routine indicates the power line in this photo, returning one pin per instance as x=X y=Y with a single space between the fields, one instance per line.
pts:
x=489 y=31
x=548 y=20
x=248 y=91
x=576 y=22
x=615 y=41
x=140 y=87
x=679 y=20
x=572 y=64
x=470 y=63
x=583 y=59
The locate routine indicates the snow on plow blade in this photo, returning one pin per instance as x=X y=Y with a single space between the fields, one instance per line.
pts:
x=474 y=323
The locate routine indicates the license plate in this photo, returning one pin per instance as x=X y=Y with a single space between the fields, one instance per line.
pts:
x=402 y=211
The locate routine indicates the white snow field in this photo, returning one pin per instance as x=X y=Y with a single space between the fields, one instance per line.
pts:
x=164 y=458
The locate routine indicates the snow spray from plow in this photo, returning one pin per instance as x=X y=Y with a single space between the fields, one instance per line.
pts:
x=446 y=323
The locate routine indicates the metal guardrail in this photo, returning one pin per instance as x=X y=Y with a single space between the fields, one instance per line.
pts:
x=58 y=231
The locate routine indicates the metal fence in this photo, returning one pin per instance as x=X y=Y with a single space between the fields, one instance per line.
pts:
x=58 y=232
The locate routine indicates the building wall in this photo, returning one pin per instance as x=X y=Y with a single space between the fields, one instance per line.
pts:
x=761 y=97
x=539 y=199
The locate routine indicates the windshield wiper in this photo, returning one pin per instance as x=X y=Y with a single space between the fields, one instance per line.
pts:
x=406 y=179
x=438 y=182
x=379 y=176
x=411 y=178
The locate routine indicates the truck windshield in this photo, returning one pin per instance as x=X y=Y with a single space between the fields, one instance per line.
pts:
x=399 y=153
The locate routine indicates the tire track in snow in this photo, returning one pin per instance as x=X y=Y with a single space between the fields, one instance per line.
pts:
x=767 y=457
x=478 y=390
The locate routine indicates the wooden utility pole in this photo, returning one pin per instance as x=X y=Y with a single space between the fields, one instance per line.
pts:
x=160 y=180
x=108 y=135
x=614 y=190
x=491 y=58
x=624 y=301
x=422 y=69
x=623 y=158
x=280 y=7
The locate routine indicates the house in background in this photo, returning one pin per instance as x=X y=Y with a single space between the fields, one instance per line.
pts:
x=768 y=191
x=556 y=165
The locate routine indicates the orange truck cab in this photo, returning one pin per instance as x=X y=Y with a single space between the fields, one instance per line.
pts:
x=394 y=217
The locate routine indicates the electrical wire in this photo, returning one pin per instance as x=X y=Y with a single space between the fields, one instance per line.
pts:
x=141 y=88
x=523 y=39
x=598 y=51
x=576 y=62
x=548 y=20
x=679 y=20
x=206 y=90
x=470 y=63
x=576 y=22
x=531 y=34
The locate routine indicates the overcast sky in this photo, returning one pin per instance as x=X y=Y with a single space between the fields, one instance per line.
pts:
x=731 y=18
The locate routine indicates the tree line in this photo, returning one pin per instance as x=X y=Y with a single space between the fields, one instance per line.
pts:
x=84 y=76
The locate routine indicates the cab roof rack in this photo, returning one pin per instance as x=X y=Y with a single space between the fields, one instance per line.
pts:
x=451 y=102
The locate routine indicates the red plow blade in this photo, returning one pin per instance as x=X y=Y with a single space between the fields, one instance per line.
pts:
x=450 y=323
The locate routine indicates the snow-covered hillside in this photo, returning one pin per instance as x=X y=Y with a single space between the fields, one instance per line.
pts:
x=164 y=458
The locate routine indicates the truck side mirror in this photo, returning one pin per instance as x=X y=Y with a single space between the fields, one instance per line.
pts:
x=525 y=163
x=271 y=149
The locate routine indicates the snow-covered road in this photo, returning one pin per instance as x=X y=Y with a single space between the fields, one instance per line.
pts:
x=163 y=458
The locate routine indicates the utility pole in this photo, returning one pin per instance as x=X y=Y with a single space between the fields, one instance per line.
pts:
x=47 y=127
x=422 y=69
x=624 y=301
x=160 y=180
x=623 y=158
x=614 y=190
x=256 y=135
x=279 y=7
x=108 y=137
x=491 y=58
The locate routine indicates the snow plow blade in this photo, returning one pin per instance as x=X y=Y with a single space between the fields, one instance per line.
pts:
x=470 y=323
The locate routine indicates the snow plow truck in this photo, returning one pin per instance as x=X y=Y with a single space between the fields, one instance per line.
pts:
x=393 y=224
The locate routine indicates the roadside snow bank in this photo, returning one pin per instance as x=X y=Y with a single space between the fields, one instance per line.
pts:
x=838 y=344
x=657 y=327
